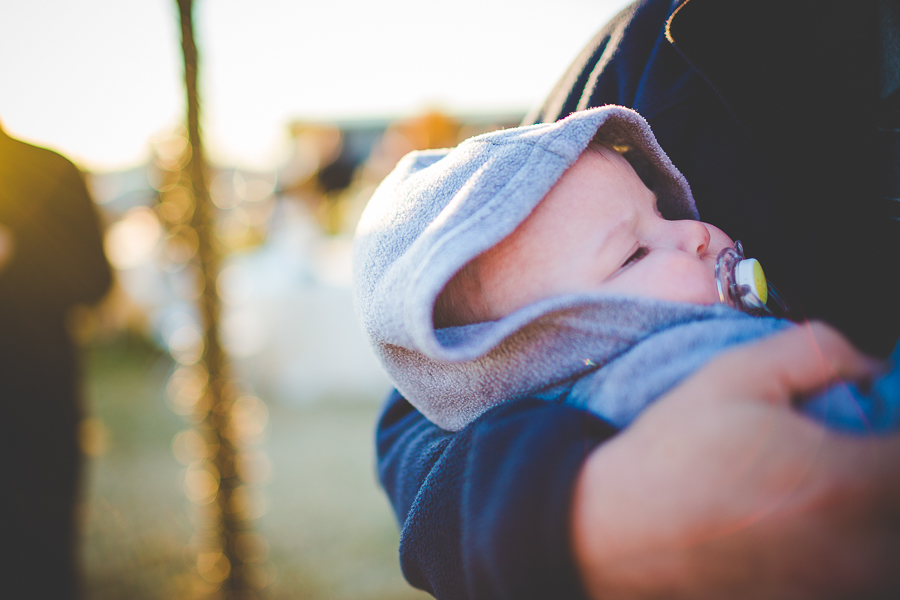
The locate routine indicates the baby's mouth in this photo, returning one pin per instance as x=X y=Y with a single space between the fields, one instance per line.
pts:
x=741 y=284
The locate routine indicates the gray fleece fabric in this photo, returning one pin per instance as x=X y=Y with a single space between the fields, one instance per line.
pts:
x=612 y=355
x=438 y=210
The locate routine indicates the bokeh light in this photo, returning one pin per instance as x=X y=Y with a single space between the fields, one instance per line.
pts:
x=117 y=66
x=295 y=153
x=132 y=241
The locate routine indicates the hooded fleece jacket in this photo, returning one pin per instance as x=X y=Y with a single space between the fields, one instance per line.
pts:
x=729 y=90
x=610 y=354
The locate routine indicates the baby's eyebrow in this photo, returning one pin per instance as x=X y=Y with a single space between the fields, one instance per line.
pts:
x=615 y=231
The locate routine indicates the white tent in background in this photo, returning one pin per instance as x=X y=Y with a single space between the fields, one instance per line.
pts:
x=289 y=325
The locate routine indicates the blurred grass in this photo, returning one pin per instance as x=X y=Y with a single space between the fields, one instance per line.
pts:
x=329 y=528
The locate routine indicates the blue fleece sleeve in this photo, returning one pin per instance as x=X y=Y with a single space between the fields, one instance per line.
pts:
x=484 y=512
x=861 y=410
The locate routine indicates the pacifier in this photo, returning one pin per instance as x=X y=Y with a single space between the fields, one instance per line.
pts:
x=742 y=284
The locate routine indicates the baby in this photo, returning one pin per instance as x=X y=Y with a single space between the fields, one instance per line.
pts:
x=598 y=230
x=561 y=261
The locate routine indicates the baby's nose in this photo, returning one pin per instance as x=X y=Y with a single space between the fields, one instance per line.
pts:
x=691 y=236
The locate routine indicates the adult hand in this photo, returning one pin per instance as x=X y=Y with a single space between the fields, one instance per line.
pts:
x=722 y=490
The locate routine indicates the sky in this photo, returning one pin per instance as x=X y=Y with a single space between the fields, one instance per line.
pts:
x=99 y=80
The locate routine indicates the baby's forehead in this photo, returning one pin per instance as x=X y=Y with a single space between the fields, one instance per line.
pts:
x=621 y=152
x=598 y=169
x=600 y=192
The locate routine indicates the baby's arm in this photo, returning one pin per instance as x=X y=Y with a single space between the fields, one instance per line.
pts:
x=722 y=490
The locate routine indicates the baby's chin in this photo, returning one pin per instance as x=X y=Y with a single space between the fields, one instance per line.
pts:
x=702 y=293
x=702 y=297
x=707 y=291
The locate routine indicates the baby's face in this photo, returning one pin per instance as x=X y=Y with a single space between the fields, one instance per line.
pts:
x=598 y=229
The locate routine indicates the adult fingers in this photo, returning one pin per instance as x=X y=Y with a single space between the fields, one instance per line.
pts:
x=794 y=363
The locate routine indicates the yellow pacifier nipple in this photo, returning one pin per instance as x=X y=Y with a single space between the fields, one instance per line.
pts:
x=750 y=273
x=742 y=284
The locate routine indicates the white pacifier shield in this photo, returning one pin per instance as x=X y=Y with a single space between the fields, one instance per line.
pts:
x=749 y=273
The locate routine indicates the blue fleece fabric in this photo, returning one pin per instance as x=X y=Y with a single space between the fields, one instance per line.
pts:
x=496 y=527
x=440 y=209
x=753 y=137
x=623 y=388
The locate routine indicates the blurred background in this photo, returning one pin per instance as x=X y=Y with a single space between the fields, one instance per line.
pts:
x=306 y=107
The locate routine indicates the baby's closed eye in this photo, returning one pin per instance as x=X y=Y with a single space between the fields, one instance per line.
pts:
x=640 y=253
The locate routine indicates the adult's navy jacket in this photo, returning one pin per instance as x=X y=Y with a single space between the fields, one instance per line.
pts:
x=771 y=110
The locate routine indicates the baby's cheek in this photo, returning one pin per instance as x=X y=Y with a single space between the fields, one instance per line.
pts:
x=688 y=280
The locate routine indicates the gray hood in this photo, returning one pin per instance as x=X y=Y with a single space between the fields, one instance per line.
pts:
x=438 y=210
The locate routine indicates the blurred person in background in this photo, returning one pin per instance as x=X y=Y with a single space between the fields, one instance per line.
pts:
x=784 y=116
x=51 y=259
